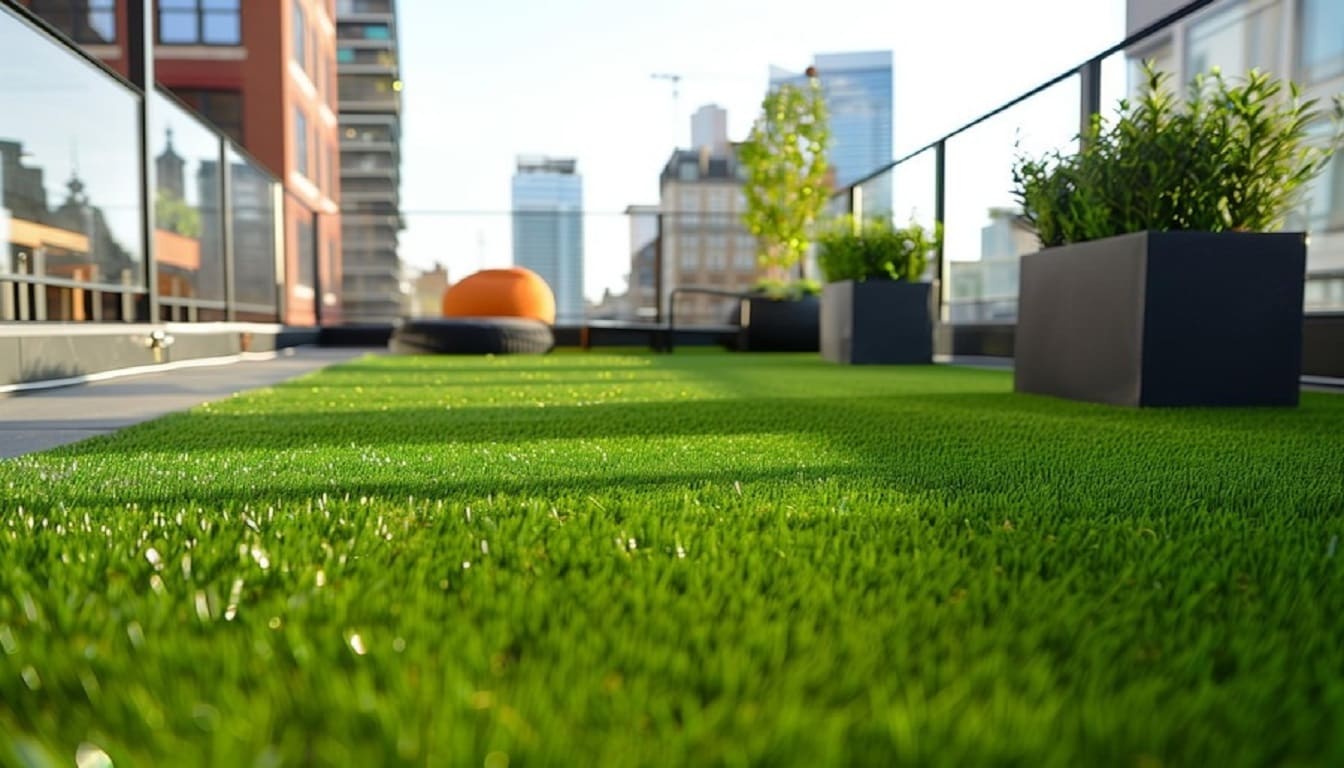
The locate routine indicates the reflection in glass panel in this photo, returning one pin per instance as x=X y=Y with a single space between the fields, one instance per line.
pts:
x=876 y=197
x=188 y=233
x=252 y=196
x=92 y=22
x=914 y=186
x=224 y=109
x=69 y=186
x=984 y=232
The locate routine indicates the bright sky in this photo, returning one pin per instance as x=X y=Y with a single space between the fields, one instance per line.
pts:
x=487 y=81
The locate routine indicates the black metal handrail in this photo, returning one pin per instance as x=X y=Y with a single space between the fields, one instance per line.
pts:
x=741 y=296
x=1089 y=74
x=1092 y=63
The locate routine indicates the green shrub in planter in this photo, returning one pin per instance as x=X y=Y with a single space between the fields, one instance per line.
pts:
x=1231 y=156
x=874 y=248
x=1163 y=281
x=874 y=310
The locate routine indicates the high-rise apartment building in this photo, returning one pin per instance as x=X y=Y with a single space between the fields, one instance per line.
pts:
x=858 y=93
x=1302 y=40
x=370 y=117
x=548 y=228
x=265 y=74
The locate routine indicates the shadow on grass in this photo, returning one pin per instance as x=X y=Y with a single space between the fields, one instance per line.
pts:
x=991 y=420
x=206 y=431
x=979 y=443
x=232 y=493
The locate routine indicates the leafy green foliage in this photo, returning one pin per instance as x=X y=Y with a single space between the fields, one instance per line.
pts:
x=173 y=214
x=874 y=248
x=690 y=559
x=1230 y=156
x=785 y=160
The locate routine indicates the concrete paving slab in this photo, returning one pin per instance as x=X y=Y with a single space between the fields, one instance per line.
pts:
x=42 y=419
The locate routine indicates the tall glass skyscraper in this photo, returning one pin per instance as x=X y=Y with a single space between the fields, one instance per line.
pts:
x=857 y=88
x=548 y=228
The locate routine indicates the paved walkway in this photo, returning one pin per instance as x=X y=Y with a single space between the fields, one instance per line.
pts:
x=38 y=420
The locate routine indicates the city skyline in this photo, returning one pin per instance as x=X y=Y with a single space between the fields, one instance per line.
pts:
x=486 y=83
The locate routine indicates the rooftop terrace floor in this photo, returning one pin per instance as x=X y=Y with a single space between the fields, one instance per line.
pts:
x=698 y=558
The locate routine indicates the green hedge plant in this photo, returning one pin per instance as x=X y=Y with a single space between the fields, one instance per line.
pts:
x=874 y=249
x=1233 y=155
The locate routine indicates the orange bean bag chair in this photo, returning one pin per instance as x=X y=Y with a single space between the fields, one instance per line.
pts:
x=512 y=292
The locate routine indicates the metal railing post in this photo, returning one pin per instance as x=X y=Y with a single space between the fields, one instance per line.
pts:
x=658 y=251
x=226 y=230
x=1089 y=103
x=939 y=216
x=140 y=71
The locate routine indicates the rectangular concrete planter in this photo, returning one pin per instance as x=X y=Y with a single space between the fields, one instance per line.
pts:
x=876 y=322
x=1164 y=318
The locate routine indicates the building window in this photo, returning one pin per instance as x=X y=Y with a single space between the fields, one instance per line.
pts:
x=300 y=36
x=364 y=32
x=746 y=260
x=222 y=108
x=689 y=260
x=300 y=142
x=199 y=22
x=91 y=22
x=716 y=251
x=1322 y=48
x=367 y=88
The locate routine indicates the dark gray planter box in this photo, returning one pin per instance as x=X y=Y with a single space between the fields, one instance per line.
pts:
x=1164 y=318
x=876 y=322
x=780 y=325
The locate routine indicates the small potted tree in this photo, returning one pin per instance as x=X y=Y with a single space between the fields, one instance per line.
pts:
x=1164 y=279
x=785 y=191
x=874 y=310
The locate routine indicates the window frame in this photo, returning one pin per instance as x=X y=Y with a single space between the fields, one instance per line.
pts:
x=199 y=12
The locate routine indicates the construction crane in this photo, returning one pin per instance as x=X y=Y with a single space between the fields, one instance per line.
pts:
x=675 y=80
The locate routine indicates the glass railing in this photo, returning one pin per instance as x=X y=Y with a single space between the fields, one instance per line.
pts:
x=256 y=218
x=188 y=218
x=964 y=178
x=70 y=207
x=72 y=220
x=984 y=235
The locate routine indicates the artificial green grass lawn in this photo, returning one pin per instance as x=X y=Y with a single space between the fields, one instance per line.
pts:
x=695 y=559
